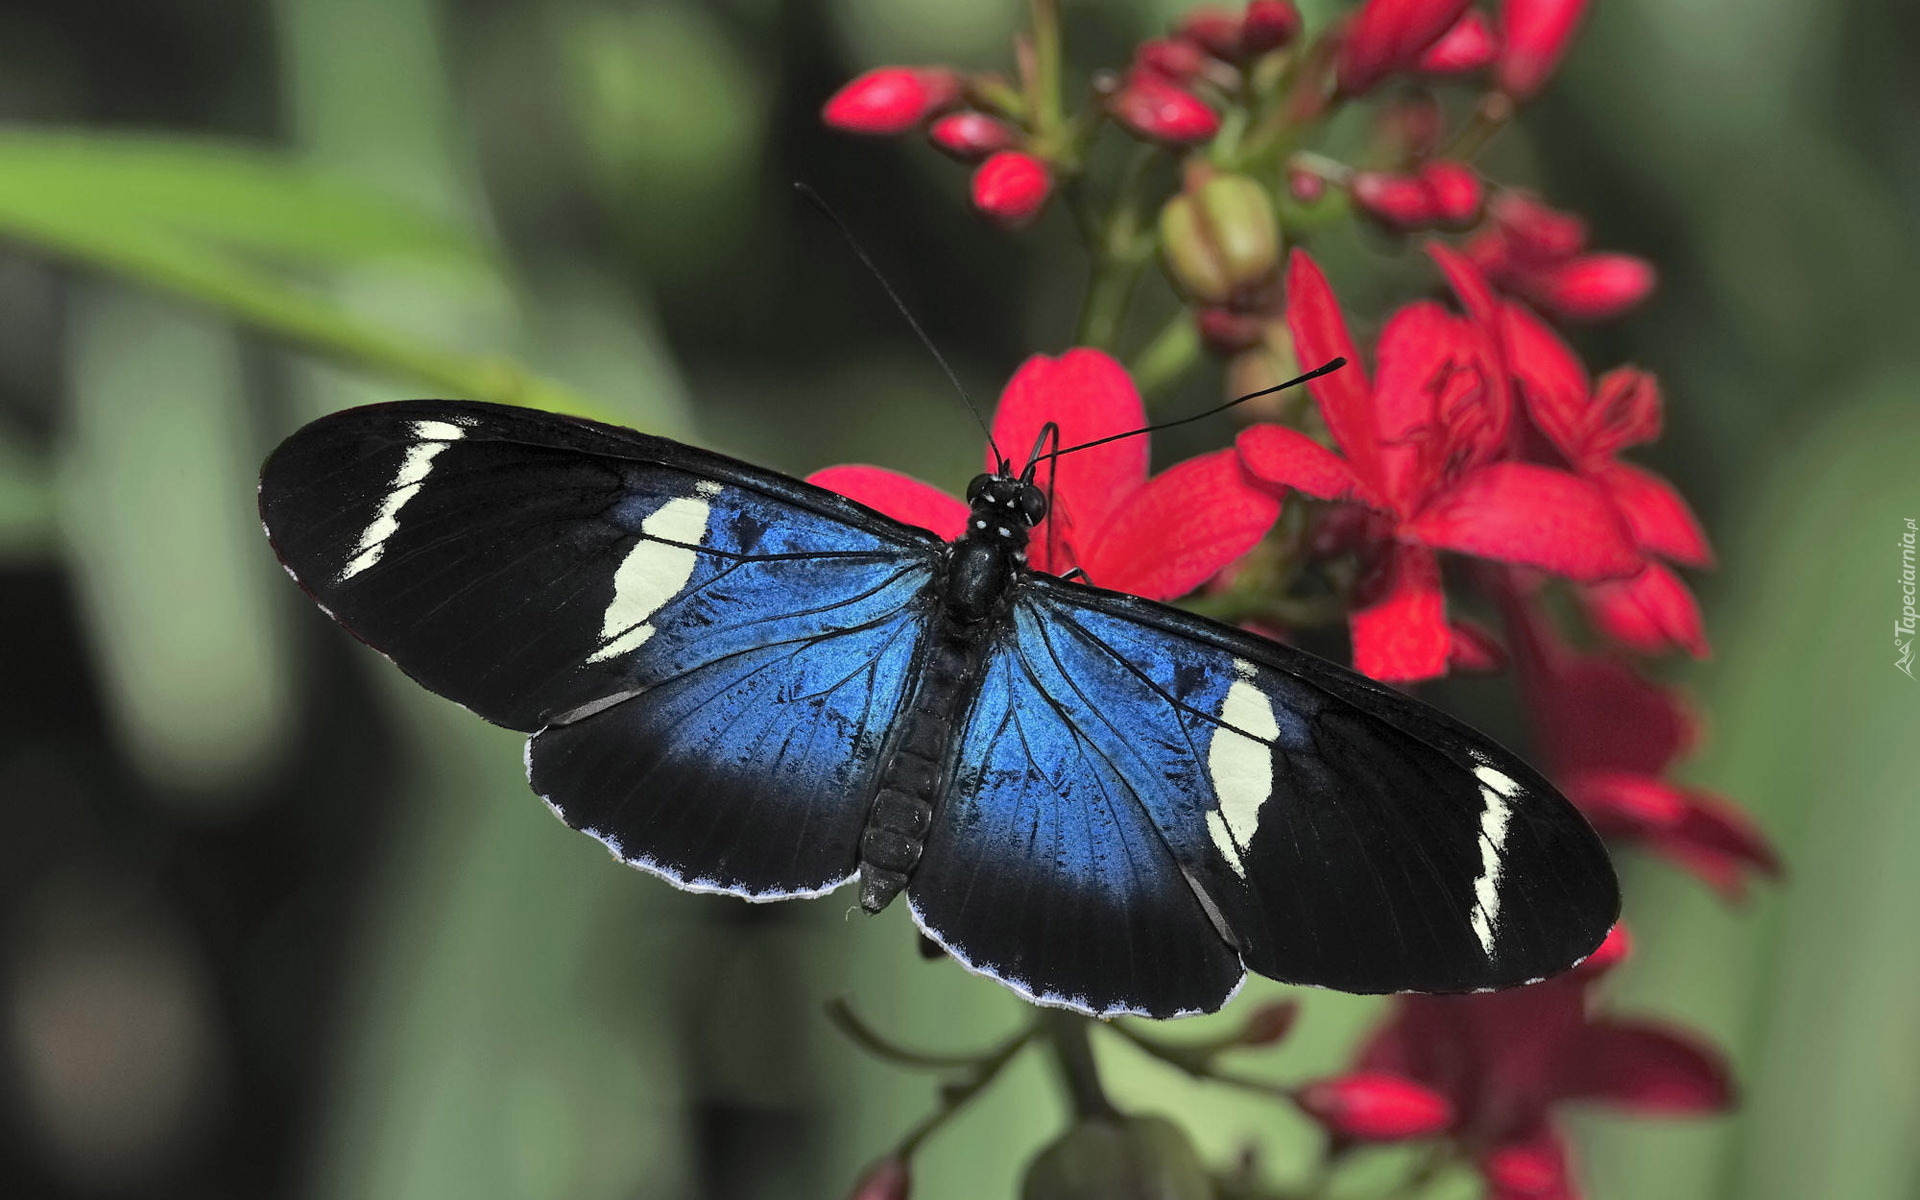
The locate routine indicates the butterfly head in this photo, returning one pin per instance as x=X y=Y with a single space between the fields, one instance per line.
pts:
x=1005 y=506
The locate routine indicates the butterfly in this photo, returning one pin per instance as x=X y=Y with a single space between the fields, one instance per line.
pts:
x=750 y=685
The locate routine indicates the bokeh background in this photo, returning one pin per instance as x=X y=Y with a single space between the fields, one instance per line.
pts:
x=275 y=923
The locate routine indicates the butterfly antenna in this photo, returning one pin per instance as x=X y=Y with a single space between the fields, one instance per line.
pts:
x=1325 y=368
x=814 y=198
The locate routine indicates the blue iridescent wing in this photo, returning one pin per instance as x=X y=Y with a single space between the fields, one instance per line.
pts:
x=1218 y=790
x=713 y=654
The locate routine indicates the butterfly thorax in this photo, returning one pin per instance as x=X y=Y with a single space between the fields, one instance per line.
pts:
x=976 y=582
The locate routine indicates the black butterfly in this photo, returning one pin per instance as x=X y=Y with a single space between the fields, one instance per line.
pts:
x=747 y=684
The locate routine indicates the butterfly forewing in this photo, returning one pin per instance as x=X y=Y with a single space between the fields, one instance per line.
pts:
x=716 y=652
x=1347 y=835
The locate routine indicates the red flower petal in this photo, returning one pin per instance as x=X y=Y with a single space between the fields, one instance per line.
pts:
x=889 y=100
x=1718 y=841
x=1536 y=34
x=1292 y=459
x=1376 y=1107
x=1320 y=335
x=1553 y=383
x=1184 y=527
x=1659 y=518
x=1390 y=35
x=901 y=497
x=1535 y=1168
x=1175 y=58
x=1010 y=188
x=1089 y=396
x=1626 y=802
x=1646 y=1068
x=1404 y=637
x=1592 y=287
x=1650 y=613
x=1534 y=231
x=1474 y=649
x=1464 y=276
x=1468 y=46
x=1523 y=513
x=1627 y=406
x=888 y=1179
x=1426 y=356
x=1646 y=727
x=1614 y=950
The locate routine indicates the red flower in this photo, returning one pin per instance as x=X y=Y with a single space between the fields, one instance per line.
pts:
x=1160 y=538
x=1537 y=254
x=1162 y=111
x=1535 y=36
x=1374 y=1106
x=1215 y=30
x=1177 y=59
x=887 y=1179
x=1468 y=46
x=1588 y=426
x=1607 y=735
x=1010 y=188
x=969 y=136
x=1508 y=1060
x=1388 y=36
x=1423 y=448
x=890 y=100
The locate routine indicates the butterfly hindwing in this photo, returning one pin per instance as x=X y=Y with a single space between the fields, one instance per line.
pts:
x=1341 y=833
x=713 y=653
x=1045 y=868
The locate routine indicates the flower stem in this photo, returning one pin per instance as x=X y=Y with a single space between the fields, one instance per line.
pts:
x=1044 y=97
x=1073 y=1054
x=1120 y=245
x=956 y=1096
x=1171 y=354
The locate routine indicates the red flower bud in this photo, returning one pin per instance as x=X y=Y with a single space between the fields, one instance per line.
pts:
x=1400 y=201
x=1226 y=332
x=1593 y=287
x=1387 y=36
x=1010 y=188
x=1175 y=58
x=1536 y=34
x=1270 y=1023
x=889 y=100
x=1214 y=29
x=1306 y=186
x=969 y=136
x=884 y=1180
x=1468 y=46
x=1373 y=1106
x=1454 y=190
x=1268 y=25
x=1536 y=230
x=1153 y=108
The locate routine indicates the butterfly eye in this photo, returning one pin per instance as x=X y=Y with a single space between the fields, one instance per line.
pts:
x=978 y=485
x=1033 y=504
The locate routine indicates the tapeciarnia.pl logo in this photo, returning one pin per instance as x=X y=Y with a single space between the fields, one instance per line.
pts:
x=1904 y=627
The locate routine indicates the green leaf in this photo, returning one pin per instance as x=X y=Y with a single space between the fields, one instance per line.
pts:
x=240 y=198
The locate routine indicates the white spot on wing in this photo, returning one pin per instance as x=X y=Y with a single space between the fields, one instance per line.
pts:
x=1497 y=790
x=433 y=437
x=652 y=574
x=1240 y=764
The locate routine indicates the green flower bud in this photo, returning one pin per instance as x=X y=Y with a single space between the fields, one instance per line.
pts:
x=1118 y=1158
x=1220 y=238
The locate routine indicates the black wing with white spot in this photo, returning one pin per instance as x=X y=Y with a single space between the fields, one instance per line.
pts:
x=714 y=653
x=1328 y=829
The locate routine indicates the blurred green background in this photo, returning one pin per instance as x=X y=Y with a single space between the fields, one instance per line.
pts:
x=275 y=923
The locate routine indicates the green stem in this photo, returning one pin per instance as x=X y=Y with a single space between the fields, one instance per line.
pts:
x=1073 y=1054
x=849 y=1023
x=1045 y=97
x=1120 y=246
x=1493 y=113
x=1173 y=352
x=956 y=1096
